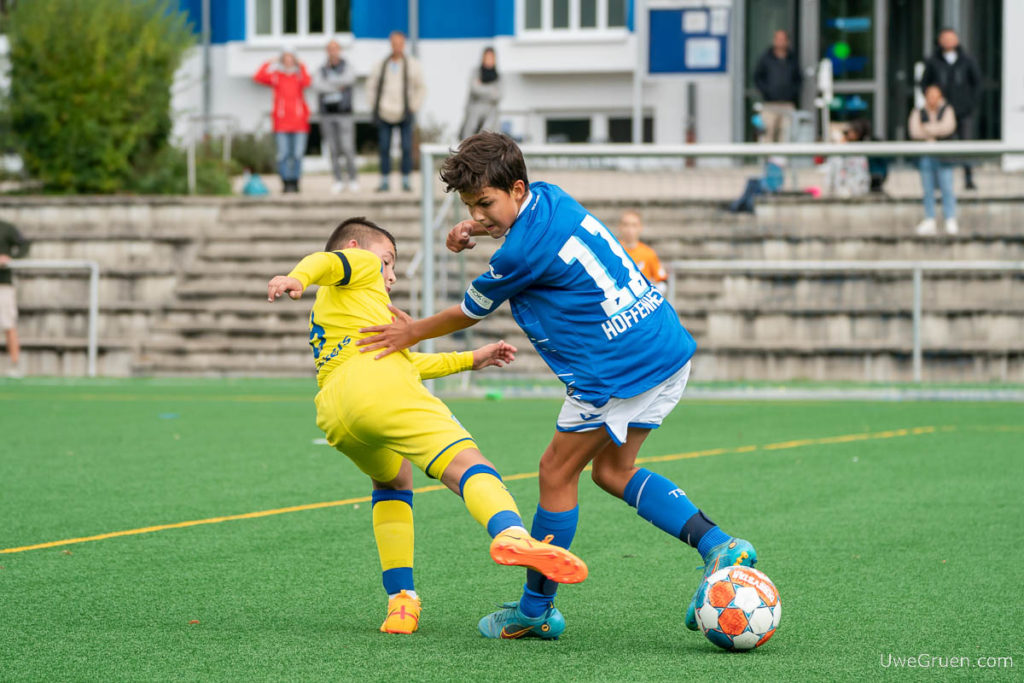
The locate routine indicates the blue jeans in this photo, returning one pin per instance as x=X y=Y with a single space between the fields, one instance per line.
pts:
x=290 y=149
x=933 y=170
x=384 y=138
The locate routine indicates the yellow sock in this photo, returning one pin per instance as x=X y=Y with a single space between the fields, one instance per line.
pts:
x=488 y=500
x=393 y=530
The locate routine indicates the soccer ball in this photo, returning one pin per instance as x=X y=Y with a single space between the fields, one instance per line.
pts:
x=738 y=608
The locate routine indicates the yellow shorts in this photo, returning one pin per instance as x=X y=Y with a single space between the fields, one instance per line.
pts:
x=378 y=412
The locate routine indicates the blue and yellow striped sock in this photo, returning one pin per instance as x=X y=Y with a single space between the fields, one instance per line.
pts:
x=393 y=531
x=488 y=500
x=539 y=591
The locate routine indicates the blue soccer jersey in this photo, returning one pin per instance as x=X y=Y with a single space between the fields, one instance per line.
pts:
x=585 y=306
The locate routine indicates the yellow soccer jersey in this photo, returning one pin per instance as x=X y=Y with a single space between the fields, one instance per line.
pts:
x=352 y=296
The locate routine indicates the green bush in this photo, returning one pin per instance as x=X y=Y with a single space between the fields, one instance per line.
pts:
x=167 y=173
x=254 y=152
x=89 y=102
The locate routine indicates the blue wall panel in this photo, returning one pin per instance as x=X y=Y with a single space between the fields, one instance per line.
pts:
x=227 y=18
x=378 y=18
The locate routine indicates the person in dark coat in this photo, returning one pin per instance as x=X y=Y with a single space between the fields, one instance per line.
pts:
x=959 y=77
x=778 y=78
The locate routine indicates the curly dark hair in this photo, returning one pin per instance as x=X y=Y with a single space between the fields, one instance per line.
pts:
x=484 y=160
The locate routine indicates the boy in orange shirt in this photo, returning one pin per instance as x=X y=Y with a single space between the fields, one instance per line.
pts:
x=630 y=227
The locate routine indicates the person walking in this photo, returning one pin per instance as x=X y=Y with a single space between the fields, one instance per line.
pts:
x=333 y=84
x=12 y=245
x=956 y=72
x=936 y=120
x=777 y=76
x=396 y=90
x=289 y=78
x=484 y=96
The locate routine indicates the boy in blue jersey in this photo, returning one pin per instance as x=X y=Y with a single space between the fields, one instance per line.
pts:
x=587 y=310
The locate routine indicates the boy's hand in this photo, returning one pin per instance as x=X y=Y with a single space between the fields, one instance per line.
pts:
x=280 y=284
x=4 y=260
x=461 y=236
x=498 y=353
x=391 y=338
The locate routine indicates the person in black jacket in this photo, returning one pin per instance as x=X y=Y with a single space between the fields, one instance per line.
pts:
x=956 y=72
x=778 y=78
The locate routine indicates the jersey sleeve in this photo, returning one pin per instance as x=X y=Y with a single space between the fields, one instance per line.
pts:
x=509 y=274
x=431 y=365
x=345 y=268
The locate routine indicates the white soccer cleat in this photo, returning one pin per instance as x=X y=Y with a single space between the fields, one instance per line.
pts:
x=926 y=227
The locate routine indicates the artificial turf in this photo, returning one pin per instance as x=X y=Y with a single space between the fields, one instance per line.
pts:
x=890 y=542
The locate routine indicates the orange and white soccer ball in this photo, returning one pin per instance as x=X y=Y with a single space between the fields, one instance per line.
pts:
x=738 y=608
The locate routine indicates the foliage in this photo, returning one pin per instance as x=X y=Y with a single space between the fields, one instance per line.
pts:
x=90 y=93
x=254 y=152
x=167 y=173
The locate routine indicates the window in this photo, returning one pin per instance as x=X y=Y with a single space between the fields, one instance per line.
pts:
x=298 y=18
x=567 y=130
x=544 y=16
x=620 y=129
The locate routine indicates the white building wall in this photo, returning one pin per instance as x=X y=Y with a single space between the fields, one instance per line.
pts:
x=1013 y=81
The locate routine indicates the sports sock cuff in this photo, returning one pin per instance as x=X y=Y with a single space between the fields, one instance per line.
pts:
x=534 y=604
x=695 y=528
x=635 y=485
x=556 y=521
x=477 y=469
x=713 y=537
x=404 y=495
x=398 y=579
x=501 y=521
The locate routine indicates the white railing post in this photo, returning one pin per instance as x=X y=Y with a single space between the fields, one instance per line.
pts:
x=427 y=247
x=918 y=284
x=92 y=343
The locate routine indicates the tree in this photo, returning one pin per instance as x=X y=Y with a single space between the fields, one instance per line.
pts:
x=89 y=102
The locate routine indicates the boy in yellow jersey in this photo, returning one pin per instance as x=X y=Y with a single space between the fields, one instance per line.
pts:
x=380 y=415
x=630 y=227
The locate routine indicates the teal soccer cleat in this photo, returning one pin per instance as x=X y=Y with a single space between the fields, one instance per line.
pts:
x=510 y=623
x=734 y=552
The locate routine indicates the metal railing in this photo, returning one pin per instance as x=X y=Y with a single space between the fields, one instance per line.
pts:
x=94 y=296
x=916 y=268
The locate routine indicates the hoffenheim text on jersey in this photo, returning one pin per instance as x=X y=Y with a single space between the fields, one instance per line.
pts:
x=592 y=316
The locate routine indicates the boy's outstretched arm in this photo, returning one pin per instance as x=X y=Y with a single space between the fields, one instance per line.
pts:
x=321 y=268
x=404 y=332
x=433 y=365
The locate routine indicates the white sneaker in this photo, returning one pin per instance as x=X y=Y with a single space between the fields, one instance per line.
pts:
x=15 y=372
x=926 y=227
x=353 y=185
x=951 y=226
x=338 y=187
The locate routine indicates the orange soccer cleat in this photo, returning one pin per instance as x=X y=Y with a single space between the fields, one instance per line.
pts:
x=516 y=547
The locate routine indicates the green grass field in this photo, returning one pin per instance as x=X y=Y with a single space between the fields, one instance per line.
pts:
x=903 y=536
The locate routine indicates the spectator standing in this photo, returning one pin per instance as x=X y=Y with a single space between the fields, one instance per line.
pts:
x=289 y=78
x=849 y=176
x=956 y=72
x=631 y=225
x=396 y=90
x=778 y=78
x=12 y=245
x=484 y=96
x=334 y=82
x=935 y=121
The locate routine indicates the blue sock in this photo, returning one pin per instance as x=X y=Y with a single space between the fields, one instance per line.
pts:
x=539 y=591
x=666 y=506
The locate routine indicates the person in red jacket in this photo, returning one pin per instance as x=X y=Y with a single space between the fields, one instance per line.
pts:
x=288 y=77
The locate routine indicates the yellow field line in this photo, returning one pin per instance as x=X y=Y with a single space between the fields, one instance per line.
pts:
x=782 y=445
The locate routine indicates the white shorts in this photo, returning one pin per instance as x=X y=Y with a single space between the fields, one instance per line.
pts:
x=646 y=410
x=8 y=308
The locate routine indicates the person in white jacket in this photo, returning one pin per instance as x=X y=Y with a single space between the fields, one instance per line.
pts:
x=395 y=90
x=484 y=96
x=333 y=84
x=935 y=121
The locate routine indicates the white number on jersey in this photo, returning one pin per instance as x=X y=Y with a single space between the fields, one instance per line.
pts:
x=616 y=298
